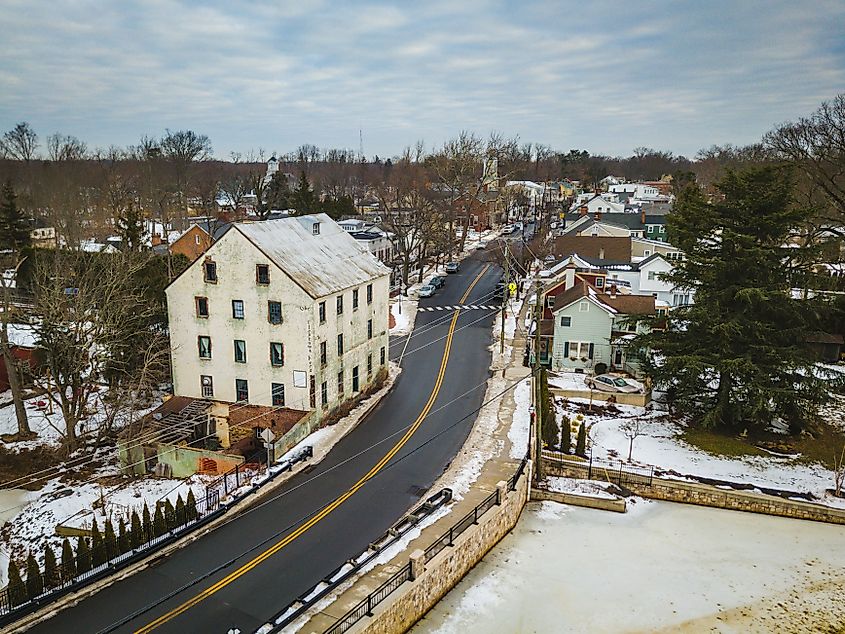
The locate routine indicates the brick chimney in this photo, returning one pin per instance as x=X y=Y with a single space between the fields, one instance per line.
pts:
x=597 y=215
x=642 y=216
x=582 y=210
x=612 y=291
x=156 y=239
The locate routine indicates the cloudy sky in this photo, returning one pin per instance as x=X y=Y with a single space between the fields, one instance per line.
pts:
x=605 y=76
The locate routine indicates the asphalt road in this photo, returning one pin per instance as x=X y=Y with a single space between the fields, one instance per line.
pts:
x=246 y=597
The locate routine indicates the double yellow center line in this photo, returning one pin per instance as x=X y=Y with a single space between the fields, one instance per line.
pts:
x=272 y=550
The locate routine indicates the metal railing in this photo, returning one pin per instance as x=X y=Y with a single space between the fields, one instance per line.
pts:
x=616 y=472
x=366 y=605
x=20 y=599
x=447 y=539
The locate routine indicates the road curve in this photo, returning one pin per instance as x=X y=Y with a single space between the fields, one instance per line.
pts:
x=292 y=542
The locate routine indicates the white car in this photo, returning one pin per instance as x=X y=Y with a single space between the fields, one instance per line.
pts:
x=508 y=229
x=426 y=291
x=611 y=383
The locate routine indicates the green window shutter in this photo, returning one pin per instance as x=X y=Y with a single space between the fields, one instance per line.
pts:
x=590 y=352
x=565 y=348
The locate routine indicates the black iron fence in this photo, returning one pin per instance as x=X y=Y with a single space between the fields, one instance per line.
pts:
x=447 y=539
x=614 y=471
x=366 y=605
x=30 y=593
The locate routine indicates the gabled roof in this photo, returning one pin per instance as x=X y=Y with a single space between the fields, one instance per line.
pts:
x=321 y=264
x=617 y=249
x=618 y=304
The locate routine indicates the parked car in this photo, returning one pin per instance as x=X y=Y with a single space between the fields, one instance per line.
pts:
x=453 y=267
x=481 y=246
x=611 y=383
x=508 y=229
x=426 y=291
x=437 y=281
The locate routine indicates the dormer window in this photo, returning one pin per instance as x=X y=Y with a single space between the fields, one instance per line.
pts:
x=315 y=229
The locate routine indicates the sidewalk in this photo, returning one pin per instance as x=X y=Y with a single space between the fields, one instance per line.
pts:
x=490 y=455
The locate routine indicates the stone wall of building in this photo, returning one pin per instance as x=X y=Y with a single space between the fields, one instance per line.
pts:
x=603 y=504
x=707 y=495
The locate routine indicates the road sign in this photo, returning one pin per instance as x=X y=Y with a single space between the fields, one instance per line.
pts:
x=512 y=287
x=267 y=435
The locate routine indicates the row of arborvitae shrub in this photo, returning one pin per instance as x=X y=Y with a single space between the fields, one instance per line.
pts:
x=102 y=548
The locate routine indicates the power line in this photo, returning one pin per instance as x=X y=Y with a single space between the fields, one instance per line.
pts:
x=310 y=514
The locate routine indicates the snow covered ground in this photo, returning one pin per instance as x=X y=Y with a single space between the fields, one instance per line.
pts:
x=521 y=424
x=590 y=488
x=405 y=319
x=661 y=445
x=662 y=567
x=51 y=427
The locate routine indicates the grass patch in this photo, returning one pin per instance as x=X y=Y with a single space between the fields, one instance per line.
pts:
x=820 y=445
x=719 y=444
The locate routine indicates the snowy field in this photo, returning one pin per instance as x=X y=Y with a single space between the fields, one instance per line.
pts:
x=661 y=445
x=661 y=567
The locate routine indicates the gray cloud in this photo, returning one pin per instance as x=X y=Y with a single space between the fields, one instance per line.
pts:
x=606 y=76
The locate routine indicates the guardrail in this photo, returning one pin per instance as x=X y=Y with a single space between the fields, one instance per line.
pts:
x=353 y=566
x=447 y=539
x=16 y=601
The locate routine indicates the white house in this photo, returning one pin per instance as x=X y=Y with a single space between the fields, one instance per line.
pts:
x=638 y=191
x=290 y=312
x=645 y=278
x=598 y=204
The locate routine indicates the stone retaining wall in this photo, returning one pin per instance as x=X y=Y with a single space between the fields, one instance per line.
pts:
x=603 y=504
x=432 y=580
x=640 y=400
x=707 y=495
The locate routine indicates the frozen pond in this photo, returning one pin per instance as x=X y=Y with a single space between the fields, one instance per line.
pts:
x=661 y=566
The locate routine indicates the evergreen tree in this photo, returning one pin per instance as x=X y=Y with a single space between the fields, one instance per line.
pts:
x=83 y=556
x=147 y=524
x=581 y=443
x=68 y=561
x=51 y=568
x=191 y=506
x=136 y=536
x=131 y=227
x=169 y=515
x=549 y=427
x=123 y=545
x=159 y=523
x=303 y=198
x=736 y=358
x=34 y=581
x=181 y=515
x=14 y=228
x=98 y=545
x=565 y=434
x=277 y=195
x=17 y=588
x=110 y=541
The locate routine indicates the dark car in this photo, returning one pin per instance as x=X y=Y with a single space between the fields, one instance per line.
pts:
x=452 y=267
x=438 y=281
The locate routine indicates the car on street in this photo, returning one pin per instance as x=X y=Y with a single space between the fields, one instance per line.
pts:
x=438 y=281
x=612 y=383
x=453 y=267
x=508 y=229
x=426 y=291
x=481 y=246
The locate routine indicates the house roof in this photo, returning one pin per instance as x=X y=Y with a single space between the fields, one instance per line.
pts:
x=622 y=304
x=629 y=220
x=321 y=264
x=823 y=337
x=617 y=249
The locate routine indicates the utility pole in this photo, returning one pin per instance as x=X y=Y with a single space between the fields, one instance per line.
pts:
x=506 y=291
x=538 y=407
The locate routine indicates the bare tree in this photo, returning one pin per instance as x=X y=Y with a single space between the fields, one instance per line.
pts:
x=633 y=428
x=838 y=473
x=65 y=148
x=816 y=146
x=7 y=282
x=20 y=143
x=89 y=323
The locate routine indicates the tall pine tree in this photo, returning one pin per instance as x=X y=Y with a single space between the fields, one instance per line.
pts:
x=51 y=568
x=83 y=556
x=98 y=545
x=303 y=198
x=14 y=228
x=736 y=358
x=34 y=580
x=68 y=561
